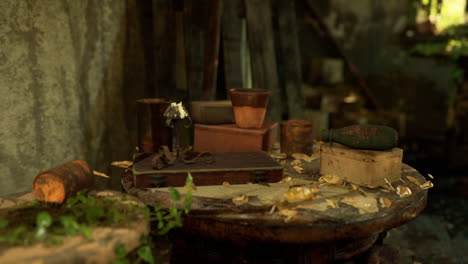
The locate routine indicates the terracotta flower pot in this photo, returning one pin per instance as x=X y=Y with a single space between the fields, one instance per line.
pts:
x=249 y=106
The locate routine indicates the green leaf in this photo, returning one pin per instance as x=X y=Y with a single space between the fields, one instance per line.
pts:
x=189 y=180
x=3 y=223
x=86 y=231
x=41 y=233
x=120 y=250
x=146 y=254
x=188 y=202
x=70 y=224
x=43 y=219
x=174 y=194
x=114 y=216
x=71 y=201
x=94 y=213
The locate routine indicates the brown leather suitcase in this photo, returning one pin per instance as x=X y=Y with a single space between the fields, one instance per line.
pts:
x=230 y=138
x=231 y=167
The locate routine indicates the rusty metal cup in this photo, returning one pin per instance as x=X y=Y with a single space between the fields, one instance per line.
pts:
x=152 y=130
x=296 y=137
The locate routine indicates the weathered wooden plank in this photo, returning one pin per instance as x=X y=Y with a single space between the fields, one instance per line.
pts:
x=232 y=36
x=195 y=23
x=262 y=53
x=164 y=49
x=290 y=58
x=212 y=50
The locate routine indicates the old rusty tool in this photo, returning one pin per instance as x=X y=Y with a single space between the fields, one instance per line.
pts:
x=165 y=158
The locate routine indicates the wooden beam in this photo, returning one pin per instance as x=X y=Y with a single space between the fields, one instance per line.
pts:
x=232 y=35
x=290 y=58
x=262 y=53
x=212 y=50
x=164 y=39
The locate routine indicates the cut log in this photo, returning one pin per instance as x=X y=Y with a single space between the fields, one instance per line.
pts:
x=59 y=183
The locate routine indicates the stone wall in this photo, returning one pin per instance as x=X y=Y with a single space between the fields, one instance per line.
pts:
x=70 y=72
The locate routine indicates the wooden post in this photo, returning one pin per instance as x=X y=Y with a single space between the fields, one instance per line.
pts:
x=262 y=53
x=291 y=58
x=164 y=48
x=212 y=51
x=232 y=35
x=195 y=25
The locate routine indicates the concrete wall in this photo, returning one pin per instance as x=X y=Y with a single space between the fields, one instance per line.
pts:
x=69 y=74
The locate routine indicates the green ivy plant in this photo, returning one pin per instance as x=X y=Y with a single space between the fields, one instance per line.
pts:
x=32 y=223
x=166 y=221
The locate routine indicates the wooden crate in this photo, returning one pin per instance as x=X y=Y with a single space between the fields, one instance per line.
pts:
x=232 y=167
x=230 y=138
x=212 y=112
x=364 y=167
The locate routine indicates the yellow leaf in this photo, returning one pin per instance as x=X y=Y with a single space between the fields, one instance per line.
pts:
x=307 y=158
x=413 y=180
x=122 y=164
x=286 y=180
x=298 y=169
x=331 y=203
x=330 y=179
x=385 y=202
x=296 y=162
x=301 y=193
x=287 y=212
x=279 y=156
x=403 y=191
x=427 y=185
x=365 y=204
x=97 y=173
x=389 y=184
x=190 y=187
x=240 y=200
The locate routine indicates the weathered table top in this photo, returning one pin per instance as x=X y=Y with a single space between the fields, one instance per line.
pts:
x=256 y=212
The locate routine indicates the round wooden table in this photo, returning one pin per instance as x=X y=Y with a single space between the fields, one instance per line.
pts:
x=253 y=223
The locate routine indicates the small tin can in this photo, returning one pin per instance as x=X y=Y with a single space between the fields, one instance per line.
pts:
x=296 y=137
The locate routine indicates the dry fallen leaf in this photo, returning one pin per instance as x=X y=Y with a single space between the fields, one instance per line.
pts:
x=279 y=156
x=301 y=193
x=330 y=179
x=296 y=162
x=385 y=202
x=305 y=157
x=413 y=180
x=226 y=184
x=122 y=164
x=273 y=208
x=317 y=205
x=286 y=180
x=190 y=187
x=403 y=191
x=97 y=173
x=239 y=200
x=430 y=176
x=365 y=204
x=298 y=169
x=389 y=184
x=283 y=162
x=288 y=213
x=427 y=185
x=332 y=203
